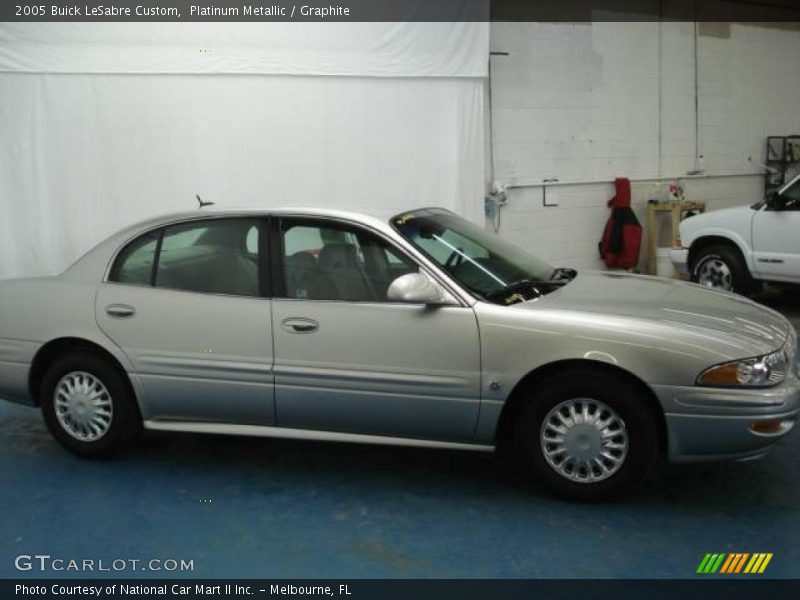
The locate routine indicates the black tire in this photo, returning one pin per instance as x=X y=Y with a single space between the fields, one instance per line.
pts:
x=741 y=280
x=620 y=395
x=125 y=421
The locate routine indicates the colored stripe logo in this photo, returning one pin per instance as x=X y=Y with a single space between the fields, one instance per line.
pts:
x=733 y=563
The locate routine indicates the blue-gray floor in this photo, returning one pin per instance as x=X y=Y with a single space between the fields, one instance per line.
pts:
x=291 y=509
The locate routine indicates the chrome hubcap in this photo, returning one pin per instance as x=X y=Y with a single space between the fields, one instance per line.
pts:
x=713 y=272
x=584 y=440
x=83 y=406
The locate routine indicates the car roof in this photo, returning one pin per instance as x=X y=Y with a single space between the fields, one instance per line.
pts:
x=94 y=261
x=215 y=211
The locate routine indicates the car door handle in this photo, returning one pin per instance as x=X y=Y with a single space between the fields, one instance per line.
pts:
x=299 y=325
x=120 y=311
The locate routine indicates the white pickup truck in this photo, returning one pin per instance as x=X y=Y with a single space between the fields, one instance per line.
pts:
x=737 y=248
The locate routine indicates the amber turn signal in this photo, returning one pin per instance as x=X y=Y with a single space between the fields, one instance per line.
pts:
x=770 y=427
x=721 y=375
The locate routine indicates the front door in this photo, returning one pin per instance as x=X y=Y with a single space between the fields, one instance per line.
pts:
x=346 y=359
x=776 y=239
x=187 y=305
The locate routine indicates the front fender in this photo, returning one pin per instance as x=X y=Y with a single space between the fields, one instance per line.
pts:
x=731 y=224
x=730 y=236
x=516 y=342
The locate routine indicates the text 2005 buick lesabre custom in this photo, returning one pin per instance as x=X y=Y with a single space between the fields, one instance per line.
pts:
x=424 y=330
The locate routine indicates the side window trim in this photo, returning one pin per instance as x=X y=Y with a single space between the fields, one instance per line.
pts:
x=266 y=282
x=276 y=258
x=156 y=257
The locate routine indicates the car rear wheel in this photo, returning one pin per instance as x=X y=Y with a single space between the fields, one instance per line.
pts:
x=587 y=435
x=88 y=406
x=722 y=268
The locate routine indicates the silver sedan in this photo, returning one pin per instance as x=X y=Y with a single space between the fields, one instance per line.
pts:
x=423 y=330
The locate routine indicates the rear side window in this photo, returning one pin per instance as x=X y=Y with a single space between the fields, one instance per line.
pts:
x=212 y=257
x=219 y=256
x=135 y=263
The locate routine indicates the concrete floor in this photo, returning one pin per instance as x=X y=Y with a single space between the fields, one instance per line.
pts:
x=290 y=509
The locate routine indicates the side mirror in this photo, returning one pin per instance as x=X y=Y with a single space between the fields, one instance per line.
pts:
x=417 y=288
x=776 y=202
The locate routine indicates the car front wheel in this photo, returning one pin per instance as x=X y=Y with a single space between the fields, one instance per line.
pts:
x=587 y=435
x=88 y=406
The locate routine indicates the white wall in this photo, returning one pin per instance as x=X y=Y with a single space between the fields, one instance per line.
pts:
x=102 y=125
x=590 y=102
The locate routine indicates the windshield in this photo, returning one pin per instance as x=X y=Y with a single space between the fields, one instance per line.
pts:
x=482 y=262
x=786 y=197
x=791 y=195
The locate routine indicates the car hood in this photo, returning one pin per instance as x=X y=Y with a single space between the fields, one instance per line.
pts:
x=733 y=325
x=736 y=218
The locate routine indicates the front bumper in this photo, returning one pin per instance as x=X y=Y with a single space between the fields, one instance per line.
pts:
x=680 y=259
x=712 y=423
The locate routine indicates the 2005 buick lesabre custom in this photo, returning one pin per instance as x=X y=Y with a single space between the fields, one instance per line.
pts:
x=425 y=330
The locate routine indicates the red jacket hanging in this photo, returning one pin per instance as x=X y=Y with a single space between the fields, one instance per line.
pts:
x=622 y=237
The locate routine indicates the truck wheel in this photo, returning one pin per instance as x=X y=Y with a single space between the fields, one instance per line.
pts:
x=722 y=268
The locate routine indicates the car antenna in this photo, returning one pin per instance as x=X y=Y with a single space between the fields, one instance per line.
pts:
x=202 y=202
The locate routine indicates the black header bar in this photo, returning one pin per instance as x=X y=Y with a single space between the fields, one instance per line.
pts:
x=709 y=588
x=776 y=11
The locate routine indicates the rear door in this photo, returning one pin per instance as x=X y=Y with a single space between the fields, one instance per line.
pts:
x=188 y=305
x=348 y=360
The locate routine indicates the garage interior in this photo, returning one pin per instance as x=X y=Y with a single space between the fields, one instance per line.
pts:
x=520 y=126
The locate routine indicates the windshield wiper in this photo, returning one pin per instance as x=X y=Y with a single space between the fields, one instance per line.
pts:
x=518 y=291
x=563 y=275
x=522 y=284
x=521 y=290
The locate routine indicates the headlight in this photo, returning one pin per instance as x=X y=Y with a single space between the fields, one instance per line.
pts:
x=760 y=371
x=792 y=355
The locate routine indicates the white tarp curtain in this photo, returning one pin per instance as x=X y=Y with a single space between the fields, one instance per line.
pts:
x=345 y=49
x=102 y=125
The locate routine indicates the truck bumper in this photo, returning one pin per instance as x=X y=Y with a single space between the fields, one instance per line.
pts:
x=680 y=259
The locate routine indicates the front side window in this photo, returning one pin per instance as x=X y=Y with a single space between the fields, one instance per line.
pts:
x=218 y=256
x=331 y=261
x=487 y=265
